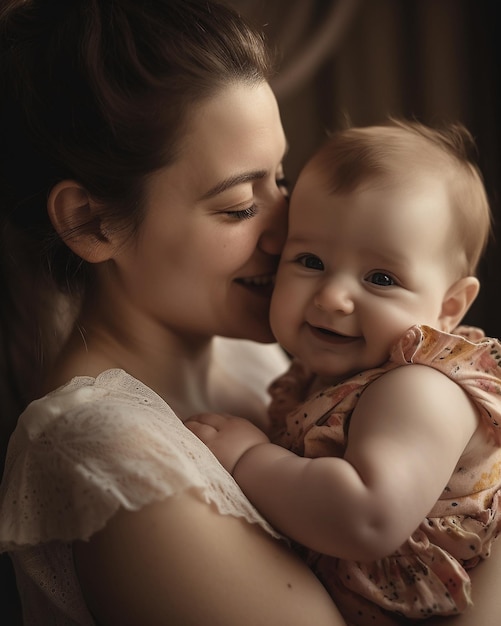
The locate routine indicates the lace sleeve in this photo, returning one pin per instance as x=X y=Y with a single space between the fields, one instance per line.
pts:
x=78 y=455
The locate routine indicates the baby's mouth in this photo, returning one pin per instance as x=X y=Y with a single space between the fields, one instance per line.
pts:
x=332 y=335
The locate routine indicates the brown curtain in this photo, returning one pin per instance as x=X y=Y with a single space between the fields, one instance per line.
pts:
x=362 y=60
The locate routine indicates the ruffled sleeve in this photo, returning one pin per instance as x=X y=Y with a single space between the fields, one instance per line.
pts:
x=472 y=360
x=82 y=452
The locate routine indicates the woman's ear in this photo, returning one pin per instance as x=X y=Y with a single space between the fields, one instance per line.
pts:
x=76 y=219
x=457 y=301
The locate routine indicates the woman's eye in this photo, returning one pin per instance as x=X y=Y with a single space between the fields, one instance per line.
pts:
x=310 y=261
x=243 y=214
x=381 y=279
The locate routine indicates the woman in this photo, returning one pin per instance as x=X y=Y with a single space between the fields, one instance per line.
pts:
x=141 y=153
x=146 y=137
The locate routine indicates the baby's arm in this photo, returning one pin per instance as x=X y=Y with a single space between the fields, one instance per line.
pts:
x=406 y=436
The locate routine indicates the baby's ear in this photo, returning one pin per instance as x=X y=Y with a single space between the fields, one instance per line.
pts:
x=76 y=219
x=457 y=301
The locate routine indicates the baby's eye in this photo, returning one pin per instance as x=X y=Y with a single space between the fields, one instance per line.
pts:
x=310 y=261
x=243 y=214
x=381 y=279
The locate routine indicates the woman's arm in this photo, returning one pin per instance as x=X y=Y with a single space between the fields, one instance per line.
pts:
x=180 y=562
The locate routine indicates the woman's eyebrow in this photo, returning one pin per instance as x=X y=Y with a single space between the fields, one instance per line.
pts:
x=231 y=181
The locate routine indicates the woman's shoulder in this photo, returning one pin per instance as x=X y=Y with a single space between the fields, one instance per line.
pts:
x=91 y=405
x=95 y=445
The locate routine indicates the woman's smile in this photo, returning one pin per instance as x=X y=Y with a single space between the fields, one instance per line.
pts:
x=261 y=284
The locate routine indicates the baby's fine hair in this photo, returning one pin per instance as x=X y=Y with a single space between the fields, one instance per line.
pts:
x=401 y=150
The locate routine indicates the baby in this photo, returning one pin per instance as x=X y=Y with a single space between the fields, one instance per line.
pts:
x=388 y=476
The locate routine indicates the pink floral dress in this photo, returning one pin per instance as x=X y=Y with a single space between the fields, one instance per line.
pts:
x=427 y=575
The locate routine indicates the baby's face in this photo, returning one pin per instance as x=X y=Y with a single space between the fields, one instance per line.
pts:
x=359 y=269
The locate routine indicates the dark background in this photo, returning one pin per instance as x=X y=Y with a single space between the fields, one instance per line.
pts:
x=362 y=60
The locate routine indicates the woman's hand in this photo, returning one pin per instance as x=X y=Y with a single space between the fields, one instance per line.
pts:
x=228 y=437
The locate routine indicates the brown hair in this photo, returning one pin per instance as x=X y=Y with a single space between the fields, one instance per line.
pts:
x=99 y=92
x=374 y=154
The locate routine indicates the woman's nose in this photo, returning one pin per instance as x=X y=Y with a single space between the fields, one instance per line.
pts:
x=273 y=238
x=334 y=296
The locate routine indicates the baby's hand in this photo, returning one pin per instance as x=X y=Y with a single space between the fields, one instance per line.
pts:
x=227 y=436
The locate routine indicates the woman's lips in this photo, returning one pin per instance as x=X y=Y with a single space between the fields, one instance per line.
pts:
x=262 y=284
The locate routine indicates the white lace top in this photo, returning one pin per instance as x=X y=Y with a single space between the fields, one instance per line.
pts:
x=76 y=456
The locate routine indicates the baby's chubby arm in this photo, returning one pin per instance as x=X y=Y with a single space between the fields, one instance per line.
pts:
x=406 y=435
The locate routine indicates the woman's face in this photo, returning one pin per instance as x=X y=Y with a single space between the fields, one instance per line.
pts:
x=215 y=222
